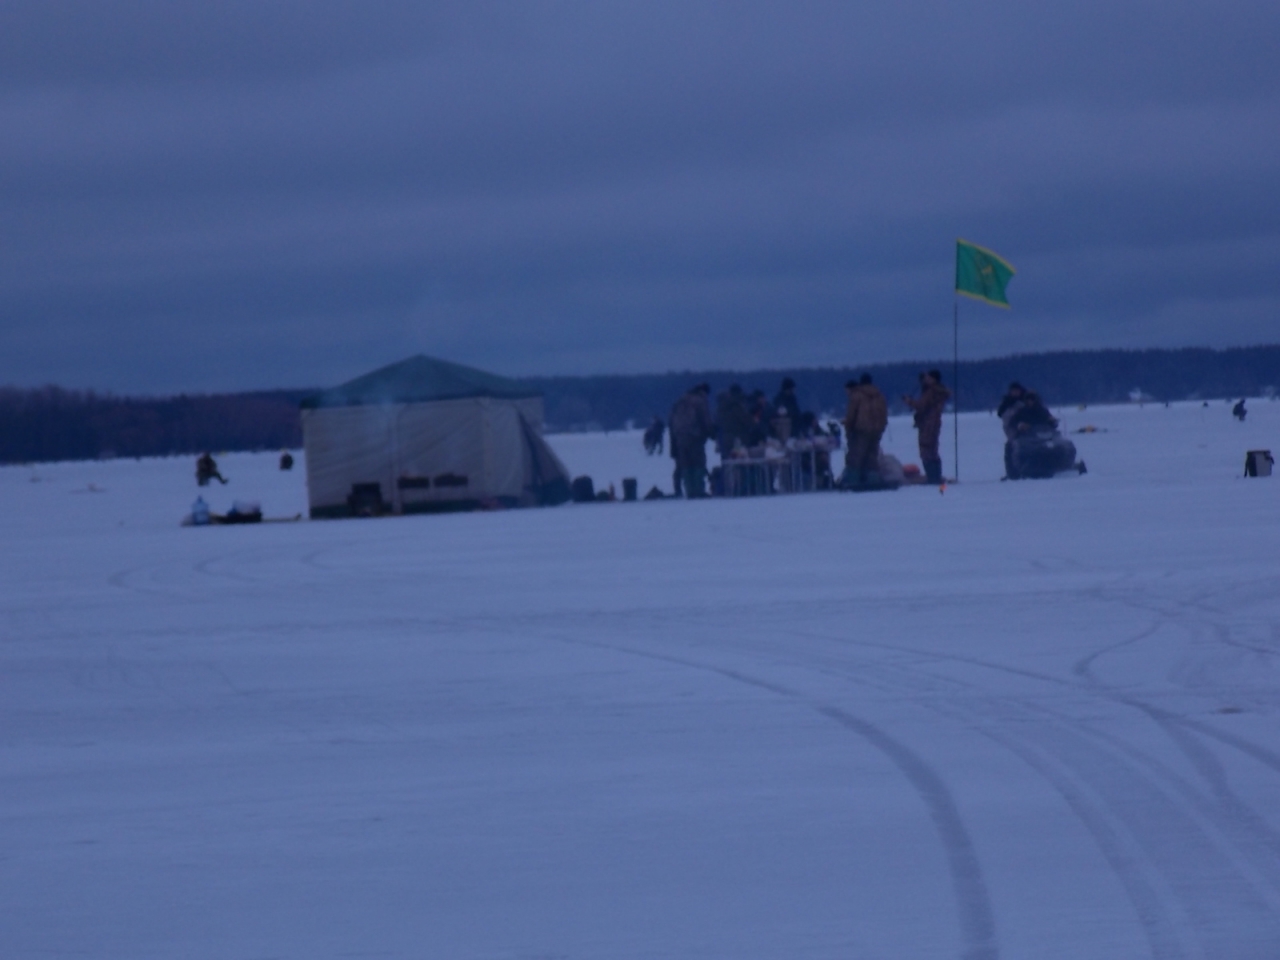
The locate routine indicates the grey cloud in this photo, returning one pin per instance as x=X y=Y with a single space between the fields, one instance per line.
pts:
x=256 y=194
x=86 y=42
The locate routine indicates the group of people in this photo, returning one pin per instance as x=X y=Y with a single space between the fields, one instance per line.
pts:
x=741 y=421
x=746 y=420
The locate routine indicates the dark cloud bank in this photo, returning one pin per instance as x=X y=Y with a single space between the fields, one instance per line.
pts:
x=256 y=194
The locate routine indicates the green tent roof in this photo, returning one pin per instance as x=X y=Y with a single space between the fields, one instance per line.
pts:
x=418 y=380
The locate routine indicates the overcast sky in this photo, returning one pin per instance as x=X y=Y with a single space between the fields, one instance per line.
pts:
x=243 y=194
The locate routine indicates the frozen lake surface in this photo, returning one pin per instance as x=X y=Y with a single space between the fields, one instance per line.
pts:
x=1013 y=720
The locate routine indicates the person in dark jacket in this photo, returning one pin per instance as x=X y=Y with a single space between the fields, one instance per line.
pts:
x=1239 y=412
x=1012 y=398
x=733 y=420
x=1031 y=415
x=786 y=404
x=207 y=469
x=758 y=408
x=653 y=436
x=928 y=409
x=1010 y=404
x=691 y=428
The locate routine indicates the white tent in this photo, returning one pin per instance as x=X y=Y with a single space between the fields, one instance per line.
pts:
x=426 y=435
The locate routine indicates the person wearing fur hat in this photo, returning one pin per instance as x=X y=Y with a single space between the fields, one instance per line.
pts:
x=928 y=409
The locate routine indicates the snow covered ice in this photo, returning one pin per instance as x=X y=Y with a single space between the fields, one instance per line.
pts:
x=1032 y=719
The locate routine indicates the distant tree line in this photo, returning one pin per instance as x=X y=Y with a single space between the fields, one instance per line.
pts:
x=1097 y=376
x=55 y=424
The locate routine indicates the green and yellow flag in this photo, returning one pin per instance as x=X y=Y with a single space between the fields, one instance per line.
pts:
x=982 y=274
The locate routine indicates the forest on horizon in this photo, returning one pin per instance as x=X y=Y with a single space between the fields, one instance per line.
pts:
x=50 y=423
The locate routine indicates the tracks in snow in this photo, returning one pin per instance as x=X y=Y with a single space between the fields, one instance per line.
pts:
x=1180 y=842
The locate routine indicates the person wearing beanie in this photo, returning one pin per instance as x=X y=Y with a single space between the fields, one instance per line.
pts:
x=928 y=408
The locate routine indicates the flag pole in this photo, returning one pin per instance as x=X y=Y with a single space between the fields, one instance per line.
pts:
x=955 y=380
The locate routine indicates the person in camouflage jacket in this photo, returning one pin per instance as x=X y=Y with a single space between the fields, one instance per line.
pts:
x=691 y=427
x=865 y=420
x=928 y=409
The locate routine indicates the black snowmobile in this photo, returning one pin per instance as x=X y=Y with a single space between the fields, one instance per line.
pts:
x=1040 y=453
x=1035 y=448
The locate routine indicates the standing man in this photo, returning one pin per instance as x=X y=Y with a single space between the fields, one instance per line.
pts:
x=928 y=409
x=691 y=427
x=732 y=420
x=786 y=404
x=865 y=420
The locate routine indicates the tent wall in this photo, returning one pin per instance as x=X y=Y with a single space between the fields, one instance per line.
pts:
x=345 y=446
x=427 y=456
x=442 y=445
x=504 y=451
